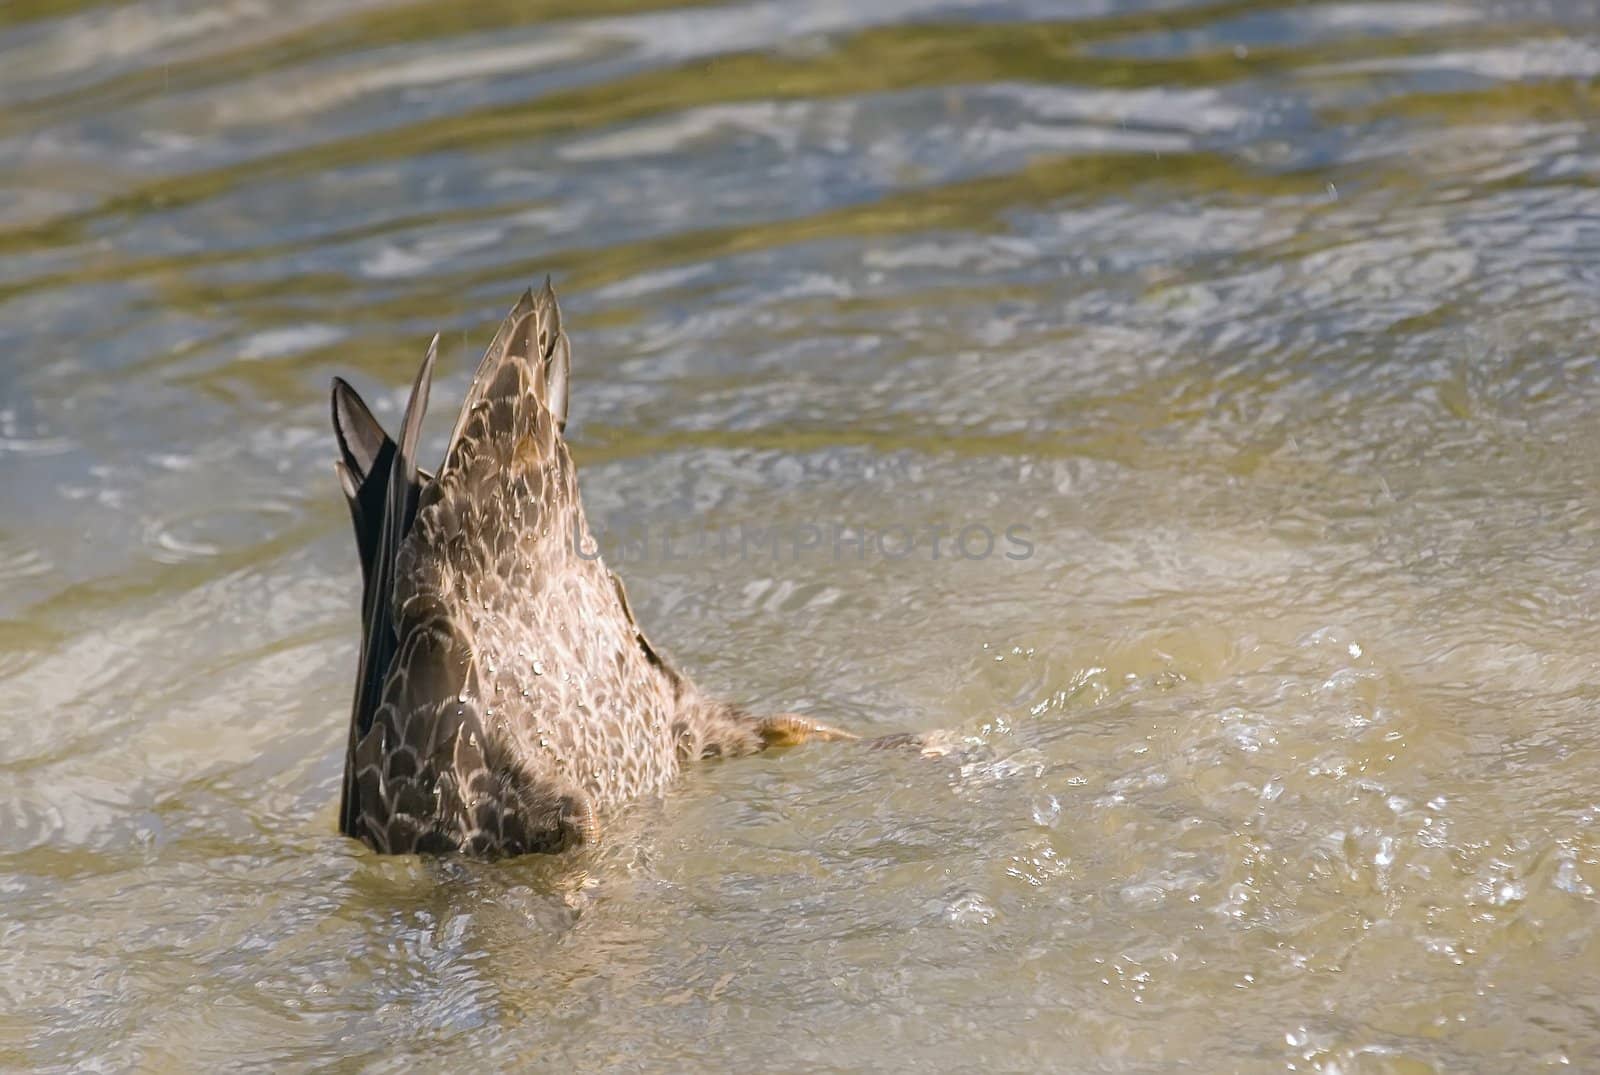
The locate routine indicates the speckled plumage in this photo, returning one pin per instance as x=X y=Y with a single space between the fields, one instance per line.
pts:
x=505 y=697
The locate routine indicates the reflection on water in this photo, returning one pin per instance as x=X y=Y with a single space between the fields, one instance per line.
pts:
x=1272 y=324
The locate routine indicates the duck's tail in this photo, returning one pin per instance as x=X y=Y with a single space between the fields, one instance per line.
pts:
x=382 y=484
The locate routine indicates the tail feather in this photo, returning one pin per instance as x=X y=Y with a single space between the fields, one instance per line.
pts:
x=558 y=373
x=529 y=350
x=491 y=360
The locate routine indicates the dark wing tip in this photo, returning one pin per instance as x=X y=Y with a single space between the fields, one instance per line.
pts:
x=361 y=438
x=397 y=503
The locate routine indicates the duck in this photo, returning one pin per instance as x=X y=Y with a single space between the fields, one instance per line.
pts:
x=506 y=699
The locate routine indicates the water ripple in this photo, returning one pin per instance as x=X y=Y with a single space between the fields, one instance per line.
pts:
x=1270 y=325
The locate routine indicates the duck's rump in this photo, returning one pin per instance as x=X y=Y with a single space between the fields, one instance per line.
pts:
x=505 y=693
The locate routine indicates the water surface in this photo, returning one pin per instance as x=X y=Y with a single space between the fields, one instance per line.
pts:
x=1270 y=328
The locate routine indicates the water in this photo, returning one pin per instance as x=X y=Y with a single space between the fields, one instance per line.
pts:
x=1272 y=327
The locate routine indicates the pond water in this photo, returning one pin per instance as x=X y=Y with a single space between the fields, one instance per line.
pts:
x=1266 y=331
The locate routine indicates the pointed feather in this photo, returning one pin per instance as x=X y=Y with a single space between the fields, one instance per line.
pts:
x=490 y=361
x=558 y=372
x=361 y=438
x=366 y=455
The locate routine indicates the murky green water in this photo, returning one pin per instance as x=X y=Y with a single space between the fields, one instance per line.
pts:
x=1270 y=328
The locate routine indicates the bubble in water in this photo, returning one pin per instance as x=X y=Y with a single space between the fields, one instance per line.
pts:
x=970 y=909
x=1508 y=892
x=1046 y=811
x=1145 y=894
x=1568 y=879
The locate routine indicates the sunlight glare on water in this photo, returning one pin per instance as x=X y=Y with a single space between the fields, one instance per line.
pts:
x=1259 y=337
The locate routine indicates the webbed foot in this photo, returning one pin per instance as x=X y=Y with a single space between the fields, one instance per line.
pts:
x=791 y=729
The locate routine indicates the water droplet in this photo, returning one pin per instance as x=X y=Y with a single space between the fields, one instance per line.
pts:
x=538 y=669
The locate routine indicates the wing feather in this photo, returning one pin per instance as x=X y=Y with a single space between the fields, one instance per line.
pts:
x=380 y=639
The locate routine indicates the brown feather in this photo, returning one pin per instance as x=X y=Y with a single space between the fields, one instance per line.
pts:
x=506 y=695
